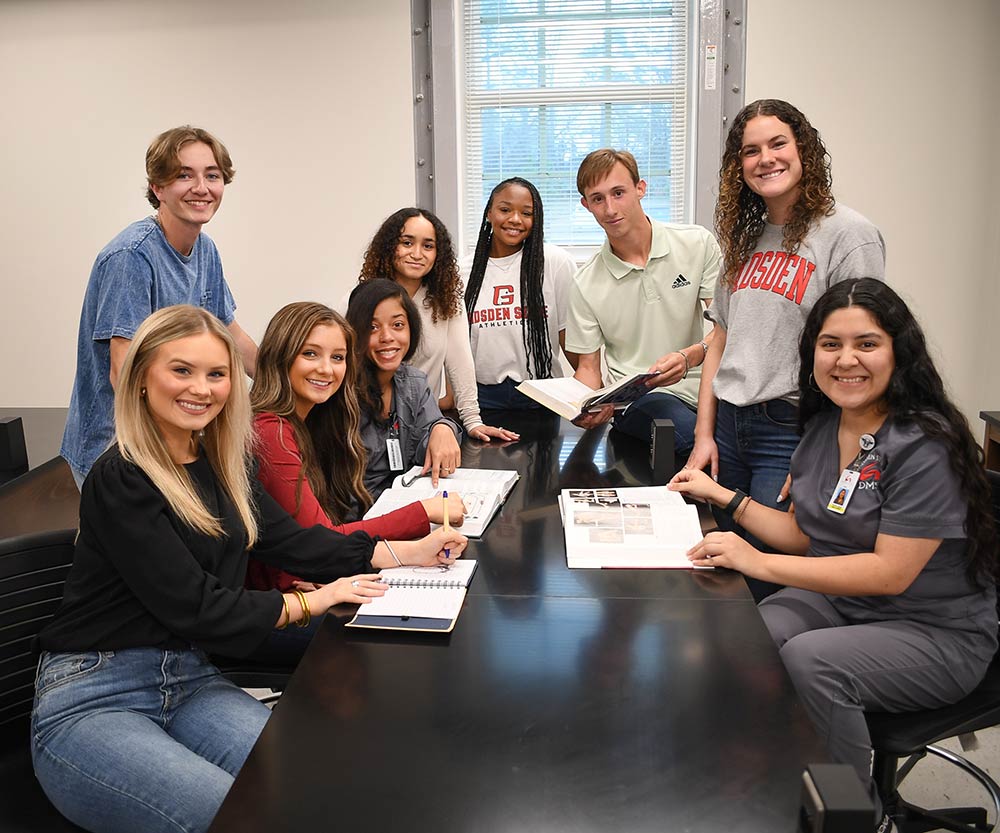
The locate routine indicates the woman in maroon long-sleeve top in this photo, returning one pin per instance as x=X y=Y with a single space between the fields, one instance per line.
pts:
x=306 y=419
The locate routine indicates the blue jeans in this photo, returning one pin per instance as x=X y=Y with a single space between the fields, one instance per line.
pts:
x=636 y=420
x=755 y=451
x=140 y=739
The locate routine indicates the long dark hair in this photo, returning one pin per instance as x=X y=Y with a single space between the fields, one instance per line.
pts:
x=329 y=441
x=360 y=312
x=534 y=333
x=739 y=212
x=915 y=395
x=443 y=282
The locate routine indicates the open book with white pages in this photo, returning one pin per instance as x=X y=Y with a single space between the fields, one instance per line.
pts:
x=483 y=492
x=571 y=398
x=647 y=526
x=418 y=598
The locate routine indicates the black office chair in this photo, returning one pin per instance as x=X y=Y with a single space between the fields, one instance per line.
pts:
x=911 y=735
x=33 y=570
x=248 y=674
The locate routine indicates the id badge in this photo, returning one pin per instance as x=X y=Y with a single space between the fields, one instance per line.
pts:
x=395 y=453
x=842 y=491
x=392 y=446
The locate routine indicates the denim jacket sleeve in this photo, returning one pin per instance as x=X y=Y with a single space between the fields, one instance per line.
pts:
x=418 y=412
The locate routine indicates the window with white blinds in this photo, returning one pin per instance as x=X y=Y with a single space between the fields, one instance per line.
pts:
x=545 y=82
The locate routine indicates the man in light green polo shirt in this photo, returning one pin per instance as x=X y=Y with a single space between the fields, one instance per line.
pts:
x=641 y=298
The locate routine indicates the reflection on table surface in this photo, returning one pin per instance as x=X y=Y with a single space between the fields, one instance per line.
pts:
x=585 y=700
x=522 y=552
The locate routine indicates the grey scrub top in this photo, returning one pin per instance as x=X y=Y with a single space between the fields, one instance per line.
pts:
x=906 y=488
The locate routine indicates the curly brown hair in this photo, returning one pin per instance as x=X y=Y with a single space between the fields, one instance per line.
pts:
x=443 y=282
x=740 y=213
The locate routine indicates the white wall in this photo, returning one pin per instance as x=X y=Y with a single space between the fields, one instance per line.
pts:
x=312 y=98
x=904 y=95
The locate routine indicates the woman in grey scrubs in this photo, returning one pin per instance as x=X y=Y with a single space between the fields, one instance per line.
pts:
x=890 y=598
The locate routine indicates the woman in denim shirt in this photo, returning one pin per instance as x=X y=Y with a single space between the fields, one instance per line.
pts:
x=401 y=423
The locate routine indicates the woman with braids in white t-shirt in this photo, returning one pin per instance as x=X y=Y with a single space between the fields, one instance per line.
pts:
x=516 y=296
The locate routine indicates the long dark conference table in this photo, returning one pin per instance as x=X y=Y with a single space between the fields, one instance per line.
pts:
x=583 y=700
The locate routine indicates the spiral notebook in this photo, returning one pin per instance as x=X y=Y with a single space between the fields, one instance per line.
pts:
x=418 y=598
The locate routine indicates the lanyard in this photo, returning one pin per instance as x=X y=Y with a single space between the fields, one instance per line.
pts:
x=392 y=446
x=848 y=482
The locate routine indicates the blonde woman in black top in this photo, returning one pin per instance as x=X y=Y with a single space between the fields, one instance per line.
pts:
x=133 y=728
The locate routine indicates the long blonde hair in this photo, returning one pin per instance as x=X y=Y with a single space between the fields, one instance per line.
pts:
x=226 y=440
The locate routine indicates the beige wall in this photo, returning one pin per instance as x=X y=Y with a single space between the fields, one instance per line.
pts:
x=904 y=94
x=312 y=97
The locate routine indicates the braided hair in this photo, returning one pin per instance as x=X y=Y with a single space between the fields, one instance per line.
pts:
x=534 y=333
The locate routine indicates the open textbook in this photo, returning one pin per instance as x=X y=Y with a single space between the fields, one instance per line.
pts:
x=647 y=526
x=482 y=490
x=571 y=398
x=418 y=598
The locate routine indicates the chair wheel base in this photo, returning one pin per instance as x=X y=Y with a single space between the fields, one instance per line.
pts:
x=912 y=819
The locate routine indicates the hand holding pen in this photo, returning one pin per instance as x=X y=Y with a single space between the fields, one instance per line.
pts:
x=434 y=507
x=428 y=551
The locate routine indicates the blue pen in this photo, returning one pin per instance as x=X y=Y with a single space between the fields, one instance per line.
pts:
x=447 y=526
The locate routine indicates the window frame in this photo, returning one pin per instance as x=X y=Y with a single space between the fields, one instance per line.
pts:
x=718 y=35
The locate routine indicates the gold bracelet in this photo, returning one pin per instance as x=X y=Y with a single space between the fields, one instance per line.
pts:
x=392 y=552
x=741 y=511
x=305 y=604
x=306 y=616
x=288 y=616
x=305 y=609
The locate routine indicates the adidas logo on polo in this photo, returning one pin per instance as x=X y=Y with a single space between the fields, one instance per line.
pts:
x=681 y=281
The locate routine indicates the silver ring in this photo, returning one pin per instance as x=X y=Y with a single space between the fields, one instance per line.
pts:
x=355 y=583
